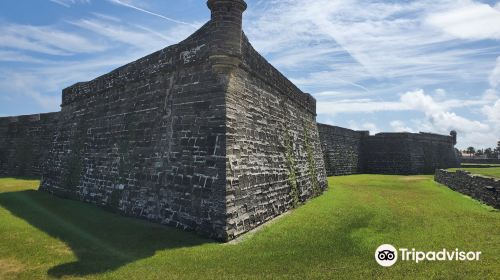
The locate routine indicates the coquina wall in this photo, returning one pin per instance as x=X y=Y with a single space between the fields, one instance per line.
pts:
x=350 y=152
x=204 y=135
x=23 y=143
x=408 y=153
x=147 y=140
x=274 y=158
x=342 y=149
x=481 y=188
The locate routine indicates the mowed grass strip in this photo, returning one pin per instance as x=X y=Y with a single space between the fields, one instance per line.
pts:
x=489 y=172
x=331 y=237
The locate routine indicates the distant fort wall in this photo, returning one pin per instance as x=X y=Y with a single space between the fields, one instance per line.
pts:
x=23 y=143
x=408 y=153
x=351 y=152
x=342 y=149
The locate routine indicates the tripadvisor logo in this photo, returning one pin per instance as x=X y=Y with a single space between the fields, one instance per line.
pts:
x=387 y=255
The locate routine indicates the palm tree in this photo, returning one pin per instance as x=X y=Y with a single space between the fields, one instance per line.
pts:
x=471 y=151
x=497 y=150
x=488 y=152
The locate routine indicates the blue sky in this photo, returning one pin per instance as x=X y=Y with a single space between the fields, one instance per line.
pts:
x=411 y=66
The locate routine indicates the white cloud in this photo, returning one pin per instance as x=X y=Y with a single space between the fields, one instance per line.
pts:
x=138 y=36
x=446 y=121
x=46 y=39
x=495 y=75
x=129 y=5
x=415 y=100
x=400 y=126
x=470 y=20
x=18 y=57
x=16 y=84
x=365 y=126
x=336 y=95
x=479 y=140
x=43 y=84
x=440 y=93
x=470 y=132
x=491 y=95
x=69 y=3
x=492 y=112
x=359 y=40
x=124 y=34
x=419 y=101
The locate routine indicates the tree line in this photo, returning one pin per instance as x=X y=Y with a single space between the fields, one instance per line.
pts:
x=488 y=152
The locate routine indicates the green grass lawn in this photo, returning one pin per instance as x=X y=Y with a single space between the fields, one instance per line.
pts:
x=490 y=172
x=331 y=237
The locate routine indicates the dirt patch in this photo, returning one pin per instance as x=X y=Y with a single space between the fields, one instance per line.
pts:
x=412 y=178
x=60 y=249
x=10 y=267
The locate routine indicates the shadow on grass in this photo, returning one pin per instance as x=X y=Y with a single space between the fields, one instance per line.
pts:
x=101 y=241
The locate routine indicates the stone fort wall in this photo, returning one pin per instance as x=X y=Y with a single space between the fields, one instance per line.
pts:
x=23 y=143
x=274 y=158
x=481 y=188
x=196 y=136
x=350 y=152
x=147 y=140
x=408 y=153
x=342 y=149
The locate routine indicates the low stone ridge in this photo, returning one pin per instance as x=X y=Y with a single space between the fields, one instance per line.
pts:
x=471 y=165
x=351 y=152
x=478 y=187
x=23 y=144
x=481 y=161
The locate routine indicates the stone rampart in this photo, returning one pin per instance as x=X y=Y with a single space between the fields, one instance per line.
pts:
x=478 y=187
x=342 y=149
x=351 y=152
x=204 y=135
x=23 y=143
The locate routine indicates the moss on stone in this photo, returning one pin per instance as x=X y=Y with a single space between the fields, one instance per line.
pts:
x=310 y=161
x=292 y=167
